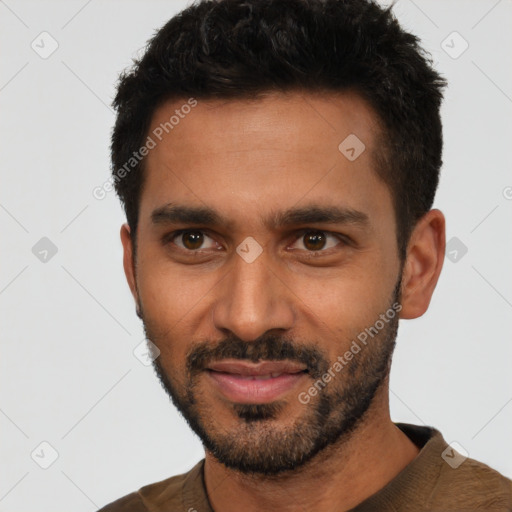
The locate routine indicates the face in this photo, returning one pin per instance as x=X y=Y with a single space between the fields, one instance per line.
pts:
x=265 y=256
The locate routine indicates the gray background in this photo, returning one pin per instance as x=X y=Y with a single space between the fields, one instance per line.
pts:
x=68 y=373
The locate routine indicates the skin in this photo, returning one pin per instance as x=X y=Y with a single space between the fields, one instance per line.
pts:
x=246 y=159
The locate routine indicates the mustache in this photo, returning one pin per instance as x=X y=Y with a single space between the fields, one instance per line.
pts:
x=267 y=348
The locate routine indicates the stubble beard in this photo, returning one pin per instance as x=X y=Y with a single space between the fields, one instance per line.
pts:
x=261 y=443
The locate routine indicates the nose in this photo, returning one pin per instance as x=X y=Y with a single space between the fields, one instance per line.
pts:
x=253 y=299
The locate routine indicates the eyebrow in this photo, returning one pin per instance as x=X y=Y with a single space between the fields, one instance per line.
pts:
x=310 y=214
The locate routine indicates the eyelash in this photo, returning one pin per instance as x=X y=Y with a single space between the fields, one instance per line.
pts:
x=343 y=239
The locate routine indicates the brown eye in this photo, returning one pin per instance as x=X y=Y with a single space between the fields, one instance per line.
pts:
x=314 y=240
x=317 y=241
x=192 y=239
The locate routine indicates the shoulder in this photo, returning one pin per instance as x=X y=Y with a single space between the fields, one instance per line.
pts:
x=129 y=503
x=168 y=492
x=474 y=484
x=441 y=478
x=149 y=494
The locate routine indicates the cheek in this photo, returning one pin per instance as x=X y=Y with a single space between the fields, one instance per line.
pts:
x=347 y=301
x=171 y=298
x=165 y=289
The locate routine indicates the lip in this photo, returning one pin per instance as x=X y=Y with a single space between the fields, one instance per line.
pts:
x=256 y=369
x=252 y=383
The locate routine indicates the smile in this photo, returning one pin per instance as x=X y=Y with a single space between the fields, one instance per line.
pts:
x=264 y=382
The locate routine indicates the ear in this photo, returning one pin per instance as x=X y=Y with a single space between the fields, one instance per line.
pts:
x=423 y=264
x=129 y=261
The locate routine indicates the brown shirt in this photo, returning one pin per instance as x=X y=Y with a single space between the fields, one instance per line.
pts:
x=430 y=482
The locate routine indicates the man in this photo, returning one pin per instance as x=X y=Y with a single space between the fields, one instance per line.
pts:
x=277 y=161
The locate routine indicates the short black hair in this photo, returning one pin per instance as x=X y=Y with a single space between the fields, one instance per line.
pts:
x=236 y=49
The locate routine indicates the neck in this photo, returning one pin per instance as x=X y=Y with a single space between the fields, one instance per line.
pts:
x=337 y=479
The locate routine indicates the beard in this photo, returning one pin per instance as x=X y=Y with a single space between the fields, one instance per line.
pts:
x=262 y=443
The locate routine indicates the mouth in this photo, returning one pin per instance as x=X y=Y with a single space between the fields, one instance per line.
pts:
x=251 y=383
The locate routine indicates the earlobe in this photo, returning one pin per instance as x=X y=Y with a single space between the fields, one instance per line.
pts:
x=423 y=264
x=129 y=262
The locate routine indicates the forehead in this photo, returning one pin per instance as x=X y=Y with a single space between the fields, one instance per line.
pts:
x=243 y=156
x=277 y=121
